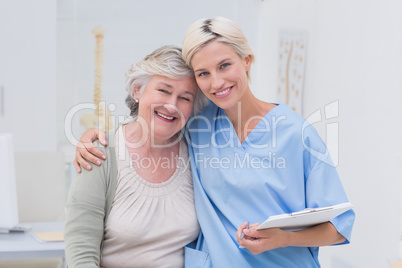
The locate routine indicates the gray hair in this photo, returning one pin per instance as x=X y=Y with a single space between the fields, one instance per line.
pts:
x=166 y=61
x=220 y=29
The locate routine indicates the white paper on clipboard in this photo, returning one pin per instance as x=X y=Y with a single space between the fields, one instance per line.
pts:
x=305 y=218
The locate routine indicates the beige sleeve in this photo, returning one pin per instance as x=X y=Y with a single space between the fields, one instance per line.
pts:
x=85 y=213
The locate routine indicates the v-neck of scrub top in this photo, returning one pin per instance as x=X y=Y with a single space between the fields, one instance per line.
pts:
x=257 y=134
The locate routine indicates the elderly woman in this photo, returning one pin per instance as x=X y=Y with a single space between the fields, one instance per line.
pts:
x=137 y=209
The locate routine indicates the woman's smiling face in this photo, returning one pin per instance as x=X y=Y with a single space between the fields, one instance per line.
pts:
x=221 y=73
x=166 y=104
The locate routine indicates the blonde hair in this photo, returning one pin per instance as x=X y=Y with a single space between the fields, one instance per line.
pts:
x=166 y=61
x=219 y=29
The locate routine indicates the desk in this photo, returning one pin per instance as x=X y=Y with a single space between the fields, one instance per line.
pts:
x=15 y=246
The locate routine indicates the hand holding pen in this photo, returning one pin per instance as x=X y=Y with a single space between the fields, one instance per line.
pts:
x=243 y=230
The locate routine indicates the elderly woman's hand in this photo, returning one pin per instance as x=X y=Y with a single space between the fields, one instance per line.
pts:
x=86 y=150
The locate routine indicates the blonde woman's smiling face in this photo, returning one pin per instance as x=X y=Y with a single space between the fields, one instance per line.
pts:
x=221 y=73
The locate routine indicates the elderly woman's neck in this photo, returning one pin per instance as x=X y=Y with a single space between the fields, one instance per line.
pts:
x=140 y=138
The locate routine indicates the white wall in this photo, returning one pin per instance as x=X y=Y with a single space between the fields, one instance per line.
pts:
x=354 y=56
x=28 y=73
x=132 y=30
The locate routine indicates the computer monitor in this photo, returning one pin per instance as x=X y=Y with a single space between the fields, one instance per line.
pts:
x=8 y=185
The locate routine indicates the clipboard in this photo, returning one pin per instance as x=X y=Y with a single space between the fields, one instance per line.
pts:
x=305 y=218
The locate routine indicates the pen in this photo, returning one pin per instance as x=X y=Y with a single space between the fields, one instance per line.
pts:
x=309 y=210
x=242 y=235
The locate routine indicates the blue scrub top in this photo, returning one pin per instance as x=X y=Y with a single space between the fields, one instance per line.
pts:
x=283 y=166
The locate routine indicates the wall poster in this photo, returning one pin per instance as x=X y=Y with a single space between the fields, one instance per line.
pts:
x=291 y=68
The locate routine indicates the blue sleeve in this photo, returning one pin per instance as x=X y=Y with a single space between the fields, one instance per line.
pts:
x=323 y=185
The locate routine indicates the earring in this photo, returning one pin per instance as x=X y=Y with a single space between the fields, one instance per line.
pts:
x=136 y=100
